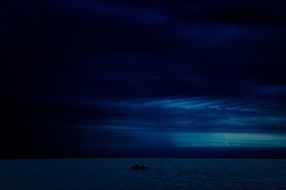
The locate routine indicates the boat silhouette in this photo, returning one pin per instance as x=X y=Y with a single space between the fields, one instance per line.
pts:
x=137 y=166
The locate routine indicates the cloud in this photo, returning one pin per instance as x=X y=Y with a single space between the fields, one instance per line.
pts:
x=274 y=91
x=143 y=70
x=198 y=114
x=189 y=122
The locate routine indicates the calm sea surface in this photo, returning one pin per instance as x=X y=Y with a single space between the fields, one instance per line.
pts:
x=106 y=174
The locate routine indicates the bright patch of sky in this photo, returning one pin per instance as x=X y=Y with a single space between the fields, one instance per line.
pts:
x=217 y=139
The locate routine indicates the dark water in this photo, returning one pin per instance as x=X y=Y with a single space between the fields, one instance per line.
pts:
x=106 y=174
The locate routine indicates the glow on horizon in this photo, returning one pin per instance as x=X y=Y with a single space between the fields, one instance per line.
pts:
x=228 y=139
x=198 y=122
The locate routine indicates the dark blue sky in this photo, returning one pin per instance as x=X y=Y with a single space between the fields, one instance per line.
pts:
x=112 y=77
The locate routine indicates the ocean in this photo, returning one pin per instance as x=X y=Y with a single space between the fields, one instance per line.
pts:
x=163 y=174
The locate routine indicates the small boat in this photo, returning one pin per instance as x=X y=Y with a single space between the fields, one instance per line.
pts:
x=137 y=166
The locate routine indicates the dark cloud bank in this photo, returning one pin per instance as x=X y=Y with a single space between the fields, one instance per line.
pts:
x=144 y=78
